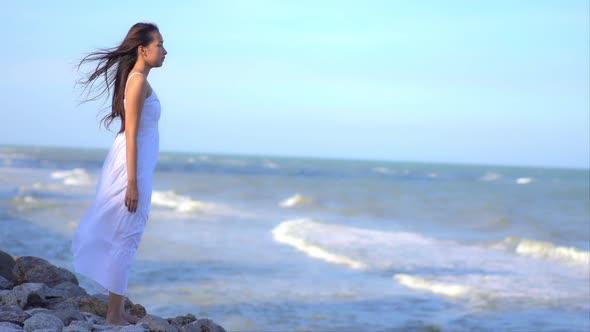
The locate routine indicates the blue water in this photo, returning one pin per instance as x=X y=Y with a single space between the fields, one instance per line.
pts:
x=268 y=243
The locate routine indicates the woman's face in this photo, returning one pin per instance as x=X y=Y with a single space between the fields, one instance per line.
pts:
x=155 y=52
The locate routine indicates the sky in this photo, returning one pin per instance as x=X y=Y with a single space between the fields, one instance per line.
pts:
x=478 y=82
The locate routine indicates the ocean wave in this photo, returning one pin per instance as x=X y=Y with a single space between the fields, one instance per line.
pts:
x=26 y=202
x=379 y=250
x=12 y=155
x=52 y=190
x=192 y=160
x=74 y=177
x=546 y=250
x=490 y=177
x=234 y=162
x=295 y=200
x=477 y=273
x=282 y=233
x=9 y=158
x=186 y=204
x=440 y=288
x=359 y=248
x=524 y=180
x=270 y=164
x=383 y=170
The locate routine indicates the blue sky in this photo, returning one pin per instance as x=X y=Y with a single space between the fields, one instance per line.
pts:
x=486 y=82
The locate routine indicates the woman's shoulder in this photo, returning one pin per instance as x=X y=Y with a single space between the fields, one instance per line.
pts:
x=137 y=80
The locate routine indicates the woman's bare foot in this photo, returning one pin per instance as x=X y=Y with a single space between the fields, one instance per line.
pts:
x=114 y=316
x=129 y=318
x=116 y=321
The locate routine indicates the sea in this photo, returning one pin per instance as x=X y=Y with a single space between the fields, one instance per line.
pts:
x=265 y=243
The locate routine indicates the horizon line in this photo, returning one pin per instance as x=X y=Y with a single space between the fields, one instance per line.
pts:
x=361 y=159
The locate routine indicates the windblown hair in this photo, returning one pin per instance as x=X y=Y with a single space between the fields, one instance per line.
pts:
x=114 y=64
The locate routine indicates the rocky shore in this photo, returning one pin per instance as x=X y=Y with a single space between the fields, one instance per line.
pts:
x=38 y=296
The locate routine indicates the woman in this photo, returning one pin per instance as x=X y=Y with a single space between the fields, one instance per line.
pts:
x=107 y=237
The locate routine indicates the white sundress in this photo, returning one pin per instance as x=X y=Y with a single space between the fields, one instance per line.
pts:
x=106 y=239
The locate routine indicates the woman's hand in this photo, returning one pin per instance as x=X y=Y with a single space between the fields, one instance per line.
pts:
x=131 y=197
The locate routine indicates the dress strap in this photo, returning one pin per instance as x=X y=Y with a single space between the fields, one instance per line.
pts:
x=128 y=77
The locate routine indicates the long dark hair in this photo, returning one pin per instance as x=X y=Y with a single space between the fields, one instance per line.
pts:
x=115 y=64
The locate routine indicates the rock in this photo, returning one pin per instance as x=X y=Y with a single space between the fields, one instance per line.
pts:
x=134 y=328
x=43 y=321
x=157 y=324
x=8 y=297
x=6 y=265
x=105 y=298
x=67 y=316
x=60 y=303
x=64 y=290
x=75 y=329
x=138 y=310
x=5 y=283
x=210 y=326
x=102 y=297
x=191 y=327
x=92 y=318
x=33 y=293
x=202 y=325
x=54 y=299
x=35 y=311
x=128 y=328
x=94 y=305
x=66 y=303
x=10 y=327
x=78 y=326
x=13 y=314
x=183 y=320
x=34 y=269
x=102 y=327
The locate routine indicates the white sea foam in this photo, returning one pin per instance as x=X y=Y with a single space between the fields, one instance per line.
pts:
x=270 y=164
x=440 y=288
x=546 y=250
x=373 y=249
x=282 y=233
x=29 y=199
x=295 y=200
x=186 y=204
x=490 y=176
x=476 y=273
x=8 y=158
x=26 y=202
x=193 y=160
x=36 y=186
x=524 y=180
x=74 y=177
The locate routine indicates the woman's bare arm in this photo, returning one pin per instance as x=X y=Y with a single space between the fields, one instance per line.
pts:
x=136 y=94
